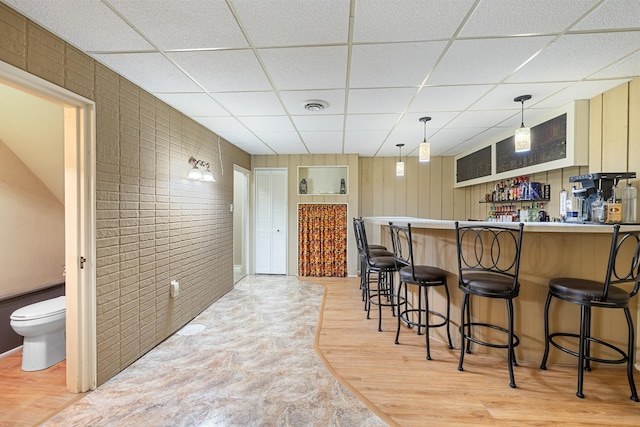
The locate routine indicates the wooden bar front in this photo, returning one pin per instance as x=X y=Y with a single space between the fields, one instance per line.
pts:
x=548 y=250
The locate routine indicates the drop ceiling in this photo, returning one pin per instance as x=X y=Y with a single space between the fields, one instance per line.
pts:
x=245 y=68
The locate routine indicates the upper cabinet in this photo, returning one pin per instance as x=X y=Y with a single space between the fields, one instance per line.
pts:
x=323 y=180
x=559 y=140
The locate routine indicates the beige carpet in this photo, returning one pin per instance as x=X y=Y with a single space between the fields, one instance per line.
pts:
x=248 y=360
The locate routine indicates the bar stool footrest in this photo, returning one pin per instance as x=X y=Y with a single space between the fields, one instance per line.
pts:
x=624 y=358
x=405 y=318
x=516 y=340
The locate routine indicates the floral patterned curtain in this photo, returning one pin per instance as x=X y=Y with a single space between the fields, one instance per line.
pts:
x=322 y=240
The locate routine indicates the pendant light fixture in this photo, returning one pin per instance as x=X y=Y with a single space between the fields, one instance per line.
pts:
x=400 y=163
x=424 y=152
x=523 y=134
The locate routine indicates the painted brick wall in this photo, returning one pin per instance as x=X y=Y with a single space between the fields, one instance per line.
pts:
x=153 y=225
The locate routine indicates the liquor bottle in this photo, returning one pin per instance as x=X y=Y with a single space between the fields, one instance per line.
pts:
x=629 y=203
x=598 y=207
x=614 y=206
x=563 y=205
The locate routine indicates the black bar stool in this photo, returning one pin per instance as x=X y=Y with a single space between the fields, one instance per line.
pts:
x=383 y=265
x=376 y=250
x=622 y=268
x=488 y=266
x=424 y=277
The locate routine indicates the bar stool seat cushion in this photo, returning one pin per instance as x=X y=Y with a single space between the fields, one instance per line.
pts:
x=379 y=252
x=488 y=283
x=383 y=262
x=377 y=247
x=587 y=290
x=423 y=273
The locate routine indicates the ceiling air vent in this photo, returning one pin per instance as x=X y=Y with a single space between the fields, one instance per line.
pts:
x=315 y=105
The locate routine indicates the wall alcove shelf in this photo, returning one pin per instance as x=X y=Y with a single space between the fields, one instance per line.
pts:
x=508 y=202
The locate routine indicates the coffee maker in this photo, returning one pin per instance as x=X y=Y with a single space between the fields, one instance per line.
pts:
x=592 y=182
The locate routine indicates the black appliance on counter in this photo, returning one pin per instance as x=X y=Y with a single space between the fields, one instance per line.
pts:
x=592 y=182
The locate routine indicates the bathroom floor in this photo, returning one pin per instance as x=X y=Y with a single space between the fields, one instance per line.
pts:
x=29 y=398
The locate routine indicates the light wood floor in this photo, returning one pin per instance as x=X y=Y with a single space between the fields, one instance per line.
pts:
x=28 y=398
x=400 y=385
x=395 y=381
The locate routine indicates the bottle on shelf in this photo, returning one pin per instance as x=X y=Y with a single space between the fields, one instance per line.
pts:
x=614 y=206
x=563 y=205
x=629 y=203
x=574 y=207
x=598 y=208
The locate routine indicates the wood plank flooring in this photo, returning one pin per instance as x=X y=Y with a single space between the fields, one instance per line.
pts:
x=29 y=398
x=400 y=385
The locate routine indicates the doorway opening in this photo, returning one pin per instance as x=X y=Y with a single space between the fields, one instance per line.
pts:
x=79 y=220
x=240 y=223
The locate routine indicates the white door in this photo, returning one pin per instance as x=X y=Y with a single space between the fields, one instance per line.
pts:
x=271 y=221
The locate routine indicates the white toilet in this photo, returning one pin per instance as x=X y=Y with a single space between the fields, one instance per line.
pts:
x=43 y=327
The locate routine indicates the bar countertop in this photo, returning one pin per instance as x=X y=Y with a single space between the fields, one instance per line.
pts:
x=540 y=227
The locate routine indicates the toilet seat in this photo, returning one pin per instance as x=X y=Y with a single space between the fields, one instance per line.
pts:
x=39 y=310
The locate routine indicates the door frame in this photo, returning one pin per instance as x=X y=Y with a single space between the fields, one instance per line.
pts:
x=245 y=218
x=80 y=223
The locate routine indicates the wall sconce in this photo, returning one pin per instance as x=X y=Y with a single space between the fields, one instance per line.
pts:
x=196 y=174
x=400 y=163
x=424 y=152
x=523 y=134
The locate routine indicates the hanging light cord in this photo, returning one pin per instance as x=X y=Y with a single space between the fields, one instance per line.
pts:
x=425 y=131
x=522 y=115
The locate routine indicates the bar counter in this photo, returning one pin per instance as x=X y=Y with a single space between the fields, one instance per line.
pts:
x=548 y=250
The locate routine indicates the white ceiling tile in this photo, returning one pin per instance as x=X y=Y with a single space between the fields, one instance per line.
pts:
x=580 y=90
x=407 y=20
x=628 y=66
x=306 y=68
x=170 y=25
x=242 y=136
x=279 y=138
x=255 y=149
x=285 y=146
x=484 y=61
x=470 y=119
x=193 y=104
x=502 y=96
x=508 y=17
x=294 y=101
x=612 y=14
x=405 y=64
x=379 y=100
x=220 y=124
x=322 y=123
x=587 y=53
x=372 y=139
x=228 y=70
x=268 y=123
x=448 y=98
x=371 y=121
x=286 y=23
x=92 y=26
x=411 y=122
x=250 y=103
x=326 y=148
x=322 y=138
x=151 y=71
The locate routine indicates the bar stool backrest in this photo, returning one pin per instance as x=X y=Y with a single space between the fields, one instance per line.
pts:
x=624 y=260
x=402 y=246
x=489 y=249
x=361 y=235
